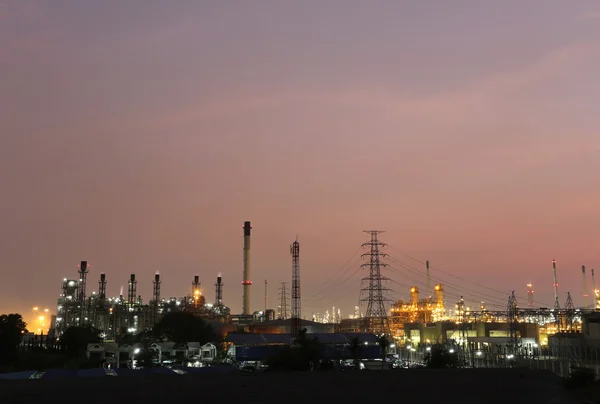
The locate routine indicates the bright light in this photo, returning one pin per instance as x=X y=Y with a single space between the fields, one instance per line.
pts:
x=41 y=318
x=535 y=345
x=479 y=353
x=428 y=348
x=451 y=351
x=510 y=356
x=393 y=346
x=408 y=347
x=136 y=351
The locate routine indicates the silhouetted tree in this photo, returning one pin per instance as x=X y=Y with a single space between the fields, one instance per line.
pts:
x=355 y=348
x=12 y=328
x=182 y=327
x=75 y=339
x=304 y=353
x=439 y=357
x=384 y=343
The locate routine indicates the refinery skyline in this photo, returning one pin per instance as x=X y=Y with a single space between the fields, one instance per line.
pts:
x=406 y=280
x=141 y=140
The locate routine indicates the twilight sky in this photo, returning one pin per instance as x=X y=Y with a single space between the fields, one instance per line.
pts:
x=140 y=135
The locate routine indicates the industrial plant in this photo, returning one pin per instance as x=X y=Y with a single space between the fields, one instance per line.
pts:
x=434 y=314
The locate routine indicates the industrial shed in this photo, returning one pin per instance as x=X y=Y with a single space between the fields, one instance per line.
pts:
x=260 y=347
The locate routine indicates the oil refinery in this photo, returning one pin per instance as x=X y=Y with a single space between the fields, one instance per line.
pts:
x=430 y=316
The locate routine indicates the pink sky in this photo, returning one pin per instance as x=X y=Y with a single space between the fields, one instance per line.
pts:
x=140 y=136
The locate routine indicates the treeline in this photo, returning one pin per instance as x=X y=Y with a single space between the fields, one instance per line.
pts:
x=69 y=351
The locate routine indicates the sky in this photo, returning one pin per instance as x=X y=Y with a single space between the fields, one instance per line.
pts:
x=140 y=135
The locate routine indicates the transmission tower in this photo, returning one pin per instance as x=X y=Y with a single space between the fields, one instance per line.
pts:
x=295 y=252
x=376 y=319
x=513 y=321
x=283 y=298
x=570 y=311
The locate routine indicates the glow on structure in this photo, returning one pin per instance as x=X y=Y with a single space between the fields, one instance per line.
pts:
x=417 y=310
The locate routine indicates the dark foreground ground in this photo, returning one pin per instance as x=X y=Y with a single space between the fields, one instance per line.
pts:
x=481 y=386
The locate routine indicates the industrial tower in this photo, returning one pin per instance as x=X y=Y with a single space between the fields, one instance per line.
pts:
x=556 y=302
x=428 y=281
x=155 y=298
x=295 y=252
x=530 y=295
x=246 y=282
x=266 y=295
x=586 y=302
x=102 y=287
x=83 y=271
x=376 y=319
x=196 y=292
x=219 y=291
x=283 y=298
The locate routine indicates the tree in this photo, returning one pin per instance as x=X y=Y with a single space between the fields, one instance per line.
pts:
x=384 y=343
x=182 y=327
x=12 y=328
x=439 y=357
x=75 y=340
x=355 y=348
x=301 y=356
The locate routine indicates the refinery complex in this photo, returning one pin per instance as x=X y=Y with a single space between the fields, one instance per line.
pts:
x=429 y=316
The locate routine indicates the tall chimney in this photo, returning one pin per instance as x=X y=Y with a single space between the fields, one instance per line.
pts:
x=219 y=291
x=585 y=292
x=246 y=281
x=266 y=295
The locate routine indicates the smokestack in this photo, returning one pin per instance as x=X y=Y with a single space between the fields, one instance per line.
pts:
x=246 y=281
x=266 y=295
x=156 y=294
x=428 y=281
x=219 y=291
x=586 y=302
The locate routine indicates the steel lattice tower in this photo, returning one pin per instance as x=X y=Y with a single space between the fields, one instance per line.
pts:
x=295 y=252
x=376 y=319
x=283 y=313
x=570 y=311
x=514 y=337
